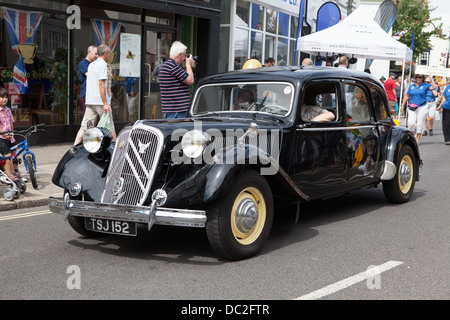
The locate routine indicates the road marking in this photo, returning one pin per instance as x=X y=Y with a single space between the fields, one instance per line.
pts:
x=24 y=215
x=350 y=281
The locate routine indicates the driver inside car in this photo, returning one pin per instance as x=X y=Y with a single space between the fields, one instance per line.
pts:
x=244 y=99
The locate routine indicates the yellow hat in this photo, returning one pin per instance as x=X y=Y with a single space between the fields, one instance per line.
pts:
x=252 y=64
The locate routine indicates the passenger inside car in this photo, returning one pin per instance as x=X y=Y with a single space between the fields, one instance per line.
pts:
x=311 y=112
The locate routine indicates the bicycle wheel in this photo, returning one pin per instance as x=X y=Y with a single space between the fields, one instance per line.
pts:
x=31 y=171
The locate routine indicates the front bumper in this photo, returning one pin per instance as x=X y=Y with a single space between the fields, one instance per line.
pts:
x=139 y=214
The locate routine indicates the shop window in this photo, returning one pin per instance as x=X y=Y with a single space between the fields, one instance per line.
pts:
x=271 y=21
x=39 y=57
x=283 y=24
x=257 y=17
x=242 y=13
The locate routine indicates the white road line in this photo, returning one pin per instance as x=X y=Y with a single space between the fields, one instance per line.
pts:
x=350 y=281
x=24 y=215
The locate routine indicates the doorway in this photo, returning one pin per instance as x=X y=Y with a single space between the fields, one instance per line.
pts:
x=157 y=47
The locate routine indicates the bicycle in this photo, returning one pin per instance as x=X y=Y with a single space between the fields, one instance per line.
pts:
x=29 y=159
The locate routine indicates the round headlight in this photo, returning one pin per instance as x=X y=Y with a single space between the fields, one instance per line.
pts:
x=194 y=142
x=95 y=139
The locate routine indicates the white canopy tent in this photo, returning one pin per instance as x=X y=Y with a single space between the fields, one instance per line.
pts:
x=358 y=36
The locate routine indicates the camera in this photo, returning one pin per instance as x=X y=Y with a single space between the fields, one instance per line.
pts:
x=195 y=58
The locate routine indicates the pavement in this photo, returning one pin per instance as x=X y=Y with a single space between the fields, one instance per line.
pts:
x=47 y=158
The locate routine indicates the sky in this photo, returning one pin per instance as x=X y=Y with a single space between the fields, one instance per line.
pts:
x=442 y=10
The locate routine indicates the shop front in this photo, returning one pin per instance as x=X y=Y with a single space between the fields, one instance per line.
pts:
x=42 y=43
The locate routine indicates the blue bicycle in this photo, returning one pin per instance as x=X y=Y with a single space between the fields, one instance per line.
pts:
x=29 y=159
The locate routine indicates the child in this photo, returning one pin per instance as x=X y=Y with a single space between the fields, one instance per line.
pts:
x=6 y=140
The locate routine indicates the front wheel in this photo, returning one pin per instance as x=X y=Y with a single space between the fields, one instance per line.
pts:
x=31 y=171
x=239 y=224
x=400 y=189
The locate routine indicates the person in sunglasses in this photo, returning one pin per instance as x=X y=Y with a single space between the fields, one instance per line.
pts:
x=416 y=98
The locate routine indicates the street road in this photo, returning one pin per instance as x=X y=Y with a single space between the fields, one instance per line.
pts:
x=325 y=256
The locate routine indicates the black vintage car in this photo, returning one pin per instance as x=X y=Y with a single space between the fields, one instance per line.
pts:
x=254 y=138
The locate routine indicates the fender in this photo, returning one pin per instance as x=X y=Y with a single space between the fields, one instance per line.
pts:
x=397 y=137
x=210 y=182
x=78 y=164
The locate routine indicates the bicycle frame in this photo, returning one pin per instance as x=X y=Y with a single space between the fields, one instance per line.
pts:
x=23 y=147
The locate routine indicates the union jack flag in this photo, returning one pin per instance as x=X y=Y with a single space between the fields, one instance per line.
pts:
x=21 y=26
x=106 y=32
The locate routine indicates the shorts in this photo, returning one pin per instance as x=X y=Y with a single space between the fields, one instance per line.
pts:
x=5 y=147
x=93 y=113
x=431 y=108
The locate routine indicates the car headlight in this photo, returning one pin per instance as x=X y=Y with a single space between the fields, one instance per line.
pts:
x=194 y=143
x=96 y=139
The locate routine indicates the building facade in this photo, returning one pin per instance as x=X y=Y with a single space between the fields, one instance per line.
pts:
x=43 y=41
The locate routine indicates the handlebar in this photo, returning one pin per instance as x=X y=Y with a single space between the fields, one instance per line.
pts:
x=31 y=129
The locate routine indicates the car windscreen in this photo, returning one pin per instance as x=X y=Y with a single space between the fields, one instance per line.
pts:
x=266 y=97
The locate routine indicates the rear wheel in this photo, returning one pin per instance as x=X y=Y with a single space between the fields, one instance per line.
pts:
x=400 y=189
x=31 y=171
x=239 y=224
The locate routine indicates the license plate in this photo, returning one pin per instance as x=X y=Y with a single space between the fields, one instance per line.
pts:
x=111 y=226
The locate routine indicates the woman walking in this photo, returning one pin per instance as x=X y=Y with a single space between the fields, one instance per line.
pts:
x=416 y=97
x=445 y=105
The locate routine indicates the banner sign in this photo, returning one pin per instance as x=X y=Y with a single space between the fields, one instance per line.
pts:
x=434 y=71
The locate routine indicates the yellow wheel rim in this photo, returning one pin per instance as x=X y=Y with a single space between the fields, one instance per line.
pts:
x=248 y=216
x=405 y=176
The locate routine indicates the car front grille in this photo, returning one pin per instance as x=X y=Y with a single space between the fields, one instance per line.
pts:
x=132 y=167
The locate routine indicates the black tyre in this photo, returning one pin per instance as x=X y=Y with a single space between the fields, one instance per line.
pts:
x=400 y=189
x=239 y=224
x=31 y=170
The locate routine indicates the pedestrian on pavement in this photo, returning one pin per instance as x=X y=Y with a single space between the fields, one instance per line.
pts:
x=270 y=62
x=82 y=69
x=7 y=139
x=416 y=97
x=431 y=99
x=343 y=62
x=445 y=106
x=98 y=99
x=174 y=82
x=390 y=86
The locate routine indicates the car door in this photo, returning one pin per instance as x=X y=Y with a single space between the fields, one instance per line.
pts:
x=362 y=134
x=318 y=166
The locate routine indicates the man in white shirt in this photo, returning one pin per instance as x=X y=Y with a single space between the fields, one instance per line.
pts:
x=97 y=98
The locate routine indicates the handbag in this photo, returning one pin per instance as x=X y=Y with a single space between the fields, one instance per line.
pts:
x=105 y=122
x=412 y=106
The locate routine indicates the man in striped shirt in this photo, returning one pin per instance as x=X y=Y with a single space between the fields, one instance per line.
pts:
x=174 y=82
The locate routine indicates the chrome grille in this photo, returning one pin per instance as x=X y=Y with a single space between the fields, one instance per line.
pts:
x=133 y=165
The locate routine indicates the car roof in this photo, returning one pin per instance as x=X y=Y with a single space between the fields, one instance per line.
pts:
x=289 y=73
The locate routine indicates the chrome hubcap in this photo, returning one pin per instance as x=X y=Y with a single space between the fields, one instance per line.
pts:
x=404 y=174
x=246 y=216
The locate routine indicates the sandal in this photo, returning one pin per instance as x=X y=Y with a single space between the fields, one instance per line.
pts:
x=431 y=132
x=13 y=177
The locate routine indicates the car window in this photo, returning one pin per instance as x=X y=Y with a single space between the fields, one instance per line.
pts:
x=267 y=97
x=357 y=105
x=319 y=102
x=379 y=105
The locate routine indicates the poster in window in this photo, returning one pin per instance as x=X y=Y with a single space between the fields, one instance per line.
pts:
x=130 y=55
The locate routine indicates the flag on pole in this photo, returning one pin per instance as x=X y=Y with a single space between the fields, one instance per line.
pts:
x=106 y=32
x=300 y=25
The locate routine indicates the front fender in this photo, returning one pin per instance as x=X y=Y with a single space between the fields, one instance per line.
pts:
x=193 y=186
x=77 y=164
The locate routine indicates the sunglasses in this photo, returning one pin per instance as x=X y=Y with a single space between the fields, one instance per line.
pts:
x=418 y=77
